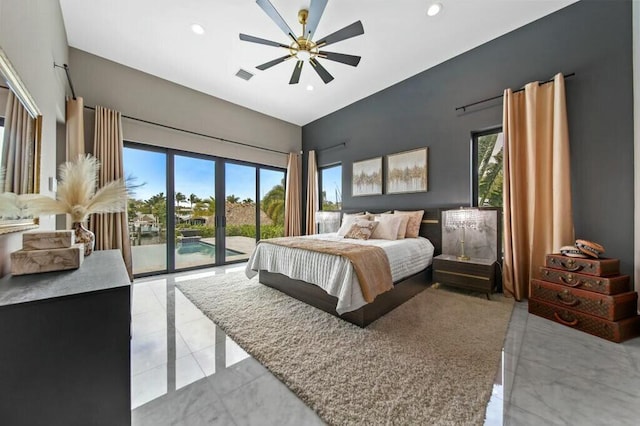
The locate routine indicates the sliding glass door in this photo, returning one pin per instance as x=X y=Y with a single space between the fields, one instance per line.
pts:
x=195 y=211
x=240 y=211
x=147 y=209
x=190 y=211
x=271 y=211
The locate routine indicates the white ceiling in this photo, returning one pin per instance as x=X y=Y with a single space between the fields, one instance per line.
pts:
x=400 y=40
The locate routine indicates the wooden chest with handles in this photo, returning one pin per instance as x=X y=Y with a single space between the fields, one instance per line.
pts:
x=611 y=308
x=611 y=285
x=597 y=267
x=617 y=331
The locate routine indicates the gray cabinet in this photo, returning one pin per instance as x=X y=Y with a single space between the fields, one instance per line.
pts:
x=65 y=355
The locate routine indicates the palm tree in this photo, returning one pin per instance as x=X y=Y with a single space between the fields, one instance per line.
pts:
x=247 y=201
x=232 y=199
x=273 y=204
x=193 y=198
x=180 y=197
x=490 y=176
x=211 y=206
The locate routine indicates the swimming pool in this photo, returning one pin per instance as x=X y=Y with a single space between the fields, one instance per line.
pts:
x=203 y=248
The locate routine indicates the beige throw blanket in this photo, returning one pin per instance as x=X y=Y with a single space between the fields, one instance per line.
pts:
x=370 y=263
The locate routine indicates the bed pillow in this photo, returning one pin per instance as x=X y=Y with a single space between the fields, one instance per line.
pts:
x=387 y=228
x=373 y=216
x=361 y=229
x=402 y=229
x=415 y=219
x=348 y=220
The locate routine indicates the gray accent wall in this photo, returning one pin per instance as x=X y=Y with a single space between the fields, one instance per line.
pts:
x=591 y=38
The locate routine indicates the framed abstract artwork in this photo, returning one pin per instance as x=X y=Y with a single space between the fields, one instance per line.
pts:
x=407 y=171
x=367 y=177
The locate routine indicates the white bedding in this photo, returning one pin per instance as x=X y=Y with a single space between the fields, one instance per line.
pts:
x=335 y=274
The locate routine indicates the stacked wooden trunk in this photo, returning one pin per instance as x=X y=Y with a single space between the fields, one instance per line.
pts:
x=47 y=251
x=586 y=294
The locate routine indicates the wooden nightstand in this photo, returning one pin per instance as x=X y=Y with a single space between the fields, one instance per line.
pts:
x=473 y=274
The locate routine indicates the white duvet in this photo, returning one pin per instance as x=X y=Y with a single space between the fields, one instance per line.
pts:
x=335 y=273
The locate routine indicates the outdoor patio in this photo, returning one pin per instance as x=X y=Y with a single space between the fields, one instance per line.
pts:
x=152 y=257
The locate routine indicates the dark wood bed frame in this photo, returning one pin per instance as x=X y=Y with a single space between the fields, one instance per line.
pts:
x=403 y=290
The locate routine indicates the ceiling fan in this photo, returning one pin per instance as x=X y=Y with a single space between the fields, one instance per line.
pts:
x=303 y=48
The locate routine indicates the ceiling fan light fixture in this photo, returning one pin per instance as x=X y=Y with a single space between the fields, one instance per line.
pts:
x=434 y=9
x=303 y=55
x=197 y=29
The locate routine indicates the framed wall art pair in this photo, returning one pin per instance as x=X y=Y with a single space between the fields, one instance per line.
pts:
x=404 y=172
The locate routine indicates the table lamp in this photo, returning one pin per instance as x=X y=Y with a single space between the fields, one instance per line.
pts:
x=463 y=218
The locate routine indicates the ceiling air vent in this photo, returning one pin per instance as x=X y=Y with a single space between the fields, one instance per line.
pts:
x=245 y=75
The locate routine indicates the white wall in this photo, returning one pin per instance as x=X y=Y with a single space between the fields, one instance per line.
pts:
x=137 y=94
x=32 y=35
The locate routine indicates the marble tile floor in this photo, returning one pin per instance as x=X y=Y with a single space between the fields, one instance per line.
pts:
x=186 y=371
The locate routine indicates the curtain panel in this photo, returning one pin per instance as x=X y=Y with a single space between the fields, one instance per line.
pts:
x=292 y=204
x=74 y=121
x=111 y=229
x=18 y=148
x=312 y=193
x=537 y=186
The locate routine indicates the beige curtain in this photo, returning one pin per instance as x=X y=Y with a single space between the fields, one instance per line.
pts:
x=312 y=193
x=18 y=148
x=110 y=228
x=75 y=128
x=292 y=205
x=537 y=190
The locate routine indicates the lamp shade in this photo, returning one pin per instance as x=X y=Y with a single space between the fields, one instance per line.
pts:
x=463 y=218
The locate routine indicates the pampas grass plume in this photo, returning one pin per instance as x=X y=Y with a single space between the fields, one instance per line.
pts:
x=77 y=195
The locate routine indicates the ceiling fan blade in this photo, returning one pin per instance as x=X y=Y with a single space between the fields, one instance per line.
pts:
x=315 y=13
x=340 y=57
x=349 y=31
x=259 y=40
x=295 y=77
x=275 y=17
x=323 y=73
x=272 y=63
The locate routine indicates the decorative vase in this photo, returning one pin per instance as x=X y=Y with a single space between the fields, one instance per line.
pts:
x=83 y=235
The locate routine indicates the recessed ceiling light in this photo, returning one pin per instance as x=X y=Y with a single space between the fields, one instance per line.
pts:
x=434 y=9
x=309 y=87
x=197 y=28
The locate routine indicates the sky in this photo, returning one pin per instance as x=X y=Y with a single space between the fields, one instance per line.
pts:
x=332 y=180
x=193 y=176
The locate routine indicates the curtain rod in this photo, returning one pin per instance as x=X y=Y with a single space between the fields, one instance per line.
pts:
x=464 y=107
x=196 y=133
x=65 y=67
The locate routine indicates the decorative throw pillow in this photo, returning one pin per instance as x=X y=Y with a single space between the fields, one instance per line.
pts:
x=415 y=219
x=361 y=229
x=348 y=220
x=387 y=228
x=402 y=229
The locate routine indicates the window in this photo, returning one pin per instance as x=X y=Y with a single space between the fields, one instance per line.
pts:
x=330 y=186
x=487 y=149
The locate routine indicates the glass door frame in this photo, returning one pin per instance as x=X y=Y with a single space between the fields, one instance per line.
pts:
x=220 y=194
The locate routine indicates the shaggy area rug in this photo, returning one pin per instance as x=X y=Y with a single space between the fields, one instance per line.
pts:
x=430 y=361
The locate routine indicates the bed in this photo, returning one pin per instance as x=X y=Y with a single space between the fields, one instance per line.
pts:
x=410 y=266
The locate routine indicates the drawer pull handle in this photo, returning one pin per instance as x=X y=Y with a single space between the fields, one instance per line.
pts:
x=571 y=265
x=567 y=299
x=568 y=280
x=561 y=320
